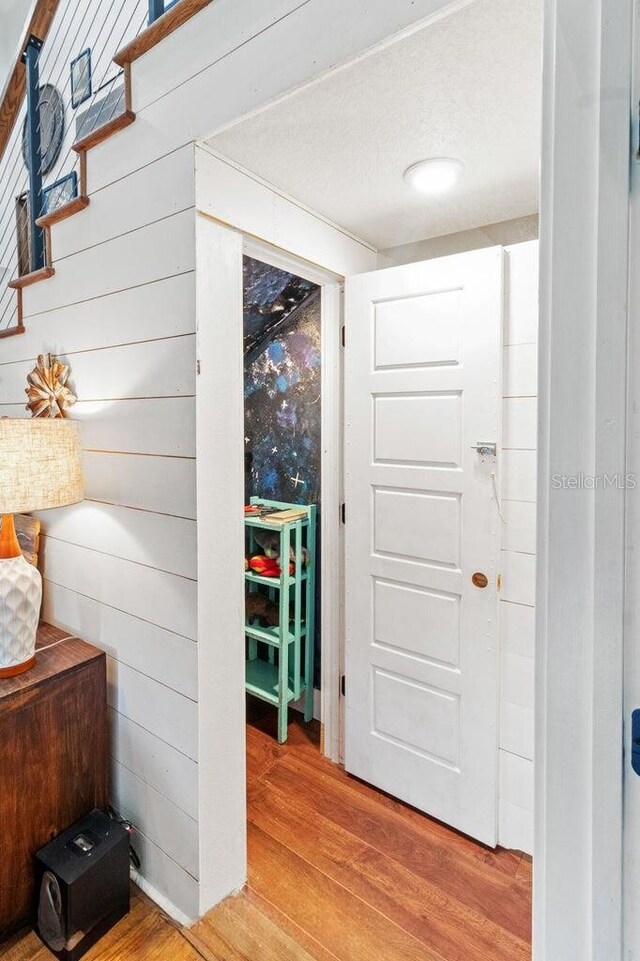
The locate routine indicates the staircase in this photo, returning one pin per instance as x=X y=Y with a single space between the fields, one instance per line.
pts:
x=87 y=50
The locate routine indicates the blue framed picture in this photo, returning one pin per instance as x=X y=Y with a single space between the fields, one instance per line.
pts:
x=59 y=193
x=81 y=78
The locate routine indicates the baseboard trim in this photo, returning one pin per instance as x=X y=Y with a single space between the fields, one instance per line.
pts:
x=161 y=900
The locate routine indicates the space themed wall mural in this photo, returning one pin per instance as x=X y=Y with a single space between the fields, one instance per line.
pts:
x=282 y=388
x=282 y=394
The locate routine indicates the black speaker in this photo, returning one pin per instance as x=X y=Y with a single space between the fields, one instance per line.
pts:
x=82 y=885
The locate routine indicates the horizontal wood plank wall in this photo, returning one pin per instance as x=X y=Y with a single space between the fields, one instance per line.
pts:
x=120 y=568
x=124 y=278
x=517 y=605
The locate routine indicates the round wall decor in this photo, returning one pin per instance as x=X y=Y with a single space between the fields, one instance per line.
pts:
x=51 y=127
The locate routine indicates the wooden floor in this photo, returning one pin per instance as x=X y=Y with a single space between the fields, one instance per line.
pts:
x=337 y=872
x=146 y=934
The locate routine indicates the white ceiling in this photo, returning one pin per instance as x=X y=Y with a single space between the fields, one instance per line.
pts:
x=467 y=86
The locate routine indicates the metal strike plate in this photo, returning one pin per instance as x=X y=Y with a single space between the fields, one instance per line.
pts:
x=486 y=448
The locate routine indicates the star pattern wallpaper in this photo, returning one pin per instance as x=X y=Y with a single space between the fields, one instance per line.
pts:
x=282 y=391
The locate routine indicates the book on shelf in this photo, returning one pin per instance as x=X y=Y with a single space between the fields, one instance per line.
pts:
x=286 y=516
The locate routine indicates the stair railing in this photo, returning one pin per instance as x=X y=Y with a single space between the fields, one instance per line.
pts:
x=33 y=171
x=158 y=7
x=30 y=59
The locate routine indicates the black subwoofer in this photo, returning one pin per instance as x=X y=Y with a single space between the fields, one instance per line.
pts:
x=83 y=885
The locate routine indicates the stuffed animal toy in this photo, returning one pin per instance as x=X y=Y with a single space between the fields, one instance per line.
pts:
x=258 y=605
x=269 y=541
x=267 y=566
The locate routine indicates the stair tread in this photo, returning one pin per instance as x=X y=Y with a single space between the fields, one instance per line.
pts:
x=163 y=27
x=105 y=131
x=32 y=278
x=12 y=331
x=63 y=211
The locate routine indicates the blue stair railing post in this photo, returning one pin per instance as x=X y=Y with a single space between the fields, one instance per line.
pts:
x=34 y=151
x=156 y=9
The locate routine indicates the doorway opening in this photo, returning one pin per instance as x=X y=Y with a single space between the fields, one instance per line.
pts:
x=428 y=411
x=282 y=338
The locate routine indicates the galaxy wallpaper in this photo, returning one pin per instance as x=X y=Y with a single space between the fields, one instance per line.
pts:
x=282 y=396
x=282 y=390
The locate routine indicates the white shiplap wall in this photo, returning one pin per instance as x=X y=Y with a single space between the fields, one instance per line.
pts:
x=517 y=605
x=121 y=309
x=120 y=569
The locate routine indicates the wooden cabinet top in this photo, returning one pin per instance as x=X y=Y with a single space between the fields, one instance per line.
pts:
x=57 y=653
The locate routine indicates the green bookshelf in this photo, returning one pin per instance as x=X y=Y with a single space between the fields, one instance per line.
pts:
x=279 y=661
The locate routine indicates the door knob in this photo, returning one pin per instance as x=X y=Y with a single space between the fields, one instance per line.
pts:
x=479 y=579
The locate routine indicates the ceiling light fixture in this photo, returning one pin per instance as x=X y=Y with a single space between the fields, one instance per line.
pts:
x=434 y=176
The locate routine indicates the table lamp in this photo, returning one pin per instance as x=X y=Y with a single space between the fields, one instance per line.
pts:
x=40 y=467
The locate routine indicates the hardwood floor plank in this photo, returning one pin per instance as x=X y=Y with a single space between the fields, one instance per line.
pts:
x=337 y=872
x=302 y=937
x=209 y=944
x=525 y=869
x=420 y=908
x=262 y=754
x=498 y=858
x=303 y=744
x=342 y=922
x=490 y=893
x=248 y=933
x=24 y=947
x=145 y=934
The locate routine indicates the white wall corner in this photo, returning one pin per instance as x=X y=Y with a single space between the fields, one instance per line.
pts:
x=220 y=472
x=583 y=318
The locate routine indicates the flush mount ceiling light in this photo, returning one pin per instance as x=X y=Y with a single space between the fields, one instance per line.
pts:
x=434 y=176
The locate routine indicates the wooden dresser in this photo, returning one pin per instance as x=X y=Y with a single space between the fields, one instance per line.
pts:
x=53 y=759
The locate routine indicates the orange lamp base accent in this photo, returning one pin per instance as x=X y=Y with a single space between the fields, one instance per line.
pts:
x=17 y=669
x=9 y=552
x=9 y=546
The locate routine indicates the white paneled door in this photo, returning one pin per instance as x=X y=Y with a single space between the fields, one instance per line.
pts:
x=422 y=390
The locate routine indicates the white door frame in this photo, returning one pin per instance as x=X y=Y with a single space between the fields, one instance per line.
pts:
x=331 y=560
x=279 y=230
x=631 y=866
x=582 y=418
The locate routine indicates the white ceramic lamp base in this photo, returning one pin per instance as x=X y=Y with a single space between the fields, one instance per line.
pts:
x=20 y=598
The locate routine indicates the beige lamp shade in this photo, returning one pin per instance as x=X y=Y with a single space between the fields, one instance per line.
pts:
x=40 y=464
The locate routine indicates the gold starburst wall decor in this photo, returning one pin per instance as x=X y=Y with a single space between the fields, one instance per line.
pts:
x=48 y=393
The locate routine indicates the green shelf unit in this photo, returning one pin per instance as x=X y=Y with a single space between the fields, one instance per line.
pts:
x=285 y=672
x=267 y=581
x=270 y=635
x=263 y=681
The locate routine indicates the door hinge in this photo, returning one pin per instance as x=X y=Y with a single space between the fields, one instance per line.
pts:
x=198 y=366
x=499 y=581
x=343 y=686
x=343 y=336
x=343 y=513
